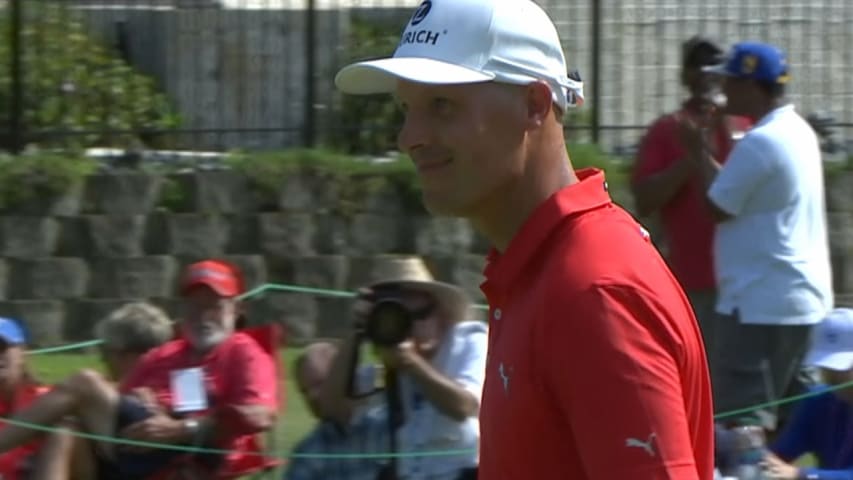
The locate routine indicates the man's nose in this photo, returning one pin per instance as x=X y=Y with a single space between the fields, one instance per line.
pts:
x=413 y=134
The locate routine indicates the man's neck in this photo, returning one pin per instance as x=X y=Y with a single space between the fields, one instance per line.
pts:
x=762 y=111
x=509 y=208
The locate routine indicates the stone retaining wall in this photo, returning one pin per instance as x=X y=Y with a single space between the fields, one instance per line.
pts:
x=68 y=261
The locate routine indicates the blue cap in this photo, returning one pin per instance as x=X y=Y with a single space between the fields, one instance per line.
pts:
x=756 y=61
x=12 y=332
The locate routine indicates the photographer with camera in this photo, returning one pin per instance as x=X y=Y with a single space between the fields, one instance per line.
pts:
x=434 y=361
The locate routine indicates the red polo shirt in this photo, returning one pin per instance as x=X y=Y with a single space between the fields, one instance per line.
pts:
x=687 y=224
x=596 y=368
x=237 y=372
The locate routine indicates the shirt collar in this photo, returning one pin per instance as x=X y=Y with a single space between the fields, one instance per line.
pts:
x=589 y=193
x=774 y=113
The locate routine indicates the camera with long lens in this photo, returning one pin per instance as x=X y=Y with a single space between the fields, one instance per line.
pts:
x=390 y=321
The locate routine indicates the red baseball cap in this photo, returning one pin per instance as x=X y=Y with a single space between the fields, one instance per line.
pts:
x=222 y=277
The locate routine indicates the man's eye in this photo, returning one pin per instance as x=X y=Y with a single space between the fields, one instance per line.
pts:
x=442 y=106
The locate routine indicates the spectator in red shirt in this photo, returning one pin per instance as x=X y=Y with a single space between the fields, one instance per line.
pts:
x=211 y=388
x=18 y=389
x=664 y=181
x=596 y=368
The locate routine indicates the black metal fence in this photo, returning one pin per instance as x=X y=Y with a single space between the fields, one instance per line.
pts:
x=257 y=74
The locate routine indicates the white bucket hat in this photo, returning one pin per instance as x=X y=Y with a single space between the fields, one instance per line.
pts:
x=832 y=342
x=468 y=41
x=411 y=272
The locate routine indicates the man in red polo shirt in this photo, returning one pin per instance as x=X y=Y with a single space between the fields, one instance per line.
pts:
x=595 y=367
x=213 y=387
x=665 y=181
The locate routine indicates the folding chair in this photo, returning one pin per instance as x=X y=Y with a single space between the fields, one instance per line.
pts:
x=270 y=337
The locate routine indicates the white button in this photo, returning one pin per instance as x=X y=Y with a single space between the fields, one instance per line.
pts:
x=497 y=314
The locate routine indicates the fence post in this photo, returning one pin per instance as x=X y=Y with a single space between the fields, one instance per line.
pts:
x=16 y=107
x=596 y=70
x=308 y=121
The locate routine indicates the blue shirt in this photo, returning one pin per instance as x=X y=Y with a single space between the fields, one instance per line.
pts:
x=367 y=435
x=822 y=426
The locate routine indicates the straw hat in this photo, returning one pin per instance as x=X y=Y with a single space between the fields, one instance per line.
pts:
x=411 y=272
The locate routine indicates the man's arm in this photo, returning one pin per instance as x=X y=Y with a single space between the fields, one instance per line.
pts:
x=656 y=175
x=334 y=400
x=795 y=438
x=615 y=378
x=709 y=168
x=457 y=392
x=652 y=192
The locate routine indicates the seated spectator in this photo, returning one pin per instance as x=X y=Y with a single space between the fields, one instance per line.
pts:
x=18 y=388
x=127 y=333
x=822 y=425
x=440 y=367
x=212 y=388
x=366 y=432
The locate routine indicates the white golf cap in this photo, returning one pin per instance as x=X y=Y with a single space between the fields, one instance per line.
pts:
x=832 y=343
x=450 y=42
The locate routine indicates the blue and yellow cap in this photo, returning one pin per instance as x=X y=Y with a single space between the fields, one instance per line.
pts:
x=754 y=60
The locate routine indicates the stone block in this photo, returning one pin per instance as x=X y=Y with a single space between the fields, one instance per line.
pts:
x=297 y=312
x=839 y=194
x=253 y=267
x=332 y=234
x=173 y=306
x=443 y=236
x=328 y=272
x=123 y=193
x=196 y=235
x=28 y=237
x=114 y=235
x=371 y=233
x=218 y=191
x=286 y=235
x=43 y=319
x=60 y=204
x=384 y=199
x=334 y=317
x=73 y=237
x=462 y=270
x=133 y=277
x=308 y=193
x=49 y=278
x=243 y=234
x=82 y=315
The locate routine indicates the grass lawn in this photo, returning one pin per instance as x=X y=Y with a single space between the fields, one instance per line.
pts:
x=293 y=424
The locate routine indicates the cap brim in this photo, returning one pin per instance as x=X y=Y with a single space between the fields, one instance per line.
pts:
x=839 y=361
x=12 y=342
x=381 y=76
x=220 y=290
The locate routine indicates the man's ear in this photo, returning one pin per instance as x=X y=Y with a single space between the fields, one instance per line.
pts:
x=539 y=103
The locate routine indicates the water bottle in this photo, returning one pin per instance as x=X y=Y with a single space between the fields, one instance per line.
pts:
x=749 y=451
